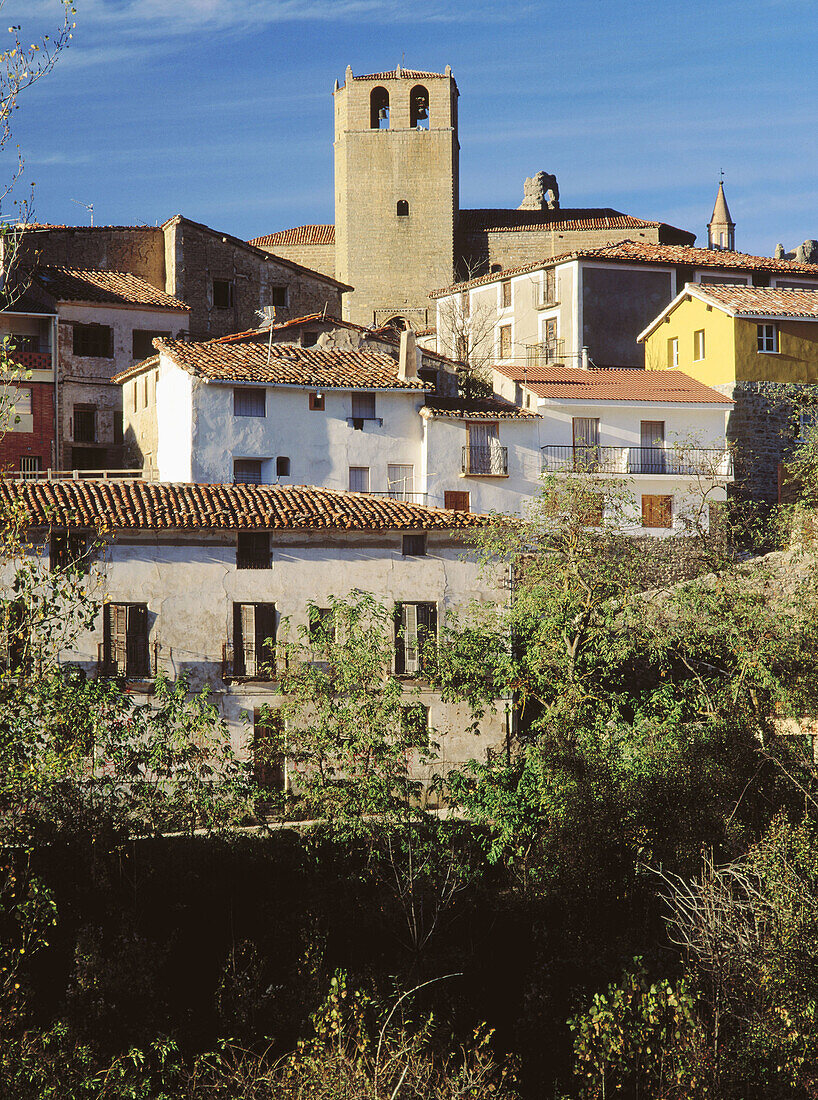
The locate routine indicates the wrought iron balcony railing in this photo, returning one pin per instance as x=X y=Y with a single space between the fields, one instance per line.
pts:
x=542 y=355
x=684 y=461
x=243 y=663
x=485 y=460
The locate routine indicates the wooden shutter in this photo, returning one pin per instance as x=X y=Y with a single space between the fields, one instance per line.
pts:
x=115 y=642
x=657 y=510
x=426 y=629
x=268 y=759
x=411 y=661
x=456 y=500
x=136 y=628
x=265 y=629
x=244 y=639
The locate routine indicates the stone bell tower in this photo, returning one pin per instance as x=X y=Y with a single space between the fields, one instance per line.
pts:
x=396 y=191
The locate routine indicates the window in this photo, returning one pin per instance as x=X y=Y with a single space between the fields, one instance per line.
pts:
x=698 y=344
x=145 y=391
x=456 y=501
x=247 y=471
x=282 y=466
x=767 y=337
x=414 y=545
x=403 y=208
x=88 y=458
x=253 y=550
x=254 y=627
x=363 y=408
x=22 y=400
x=359 y=479
x=269 y=761
x=414 y=720
x=309 y=338
x=379 y=109
x=135 y=396
x=117 y=426
x=30 y=465
x=69 y=549
x=495 y=269
x=652 y=456
x=585 y=431
x=322 y=627
x=505 y=341
x=415 y=632
x=94 y=341
x=248 y=402
x=125 y=640
x=317 y=402
x=400 y=481
x=505 y=294
x=279 y=296
x=657 y=510
x=222 y=294
x=673 y=353
x=142 y=339
x=15 y=642
x=85 y=423
x=419 y=108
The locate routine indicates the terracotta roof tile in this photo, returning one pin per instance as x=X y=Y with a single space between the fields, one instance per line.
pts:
x=760 y=301
x=644 y=252
x=519 y=221
x=253 y=360
x=67 y=284
x=488 y=408
x=299 y=234
x=614 y=384
x=410 y=74
x=157 y=506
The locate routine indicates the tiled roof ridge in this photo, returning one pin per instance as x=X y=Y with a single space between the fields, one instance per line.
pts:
x=150 y=505
x=616 y=384
x=771 y=300
x=410 y=74
x=672 y=254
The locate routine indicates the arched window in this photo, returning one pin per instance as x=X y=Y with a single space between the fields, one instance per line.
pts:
x=379 y=109
x=397 y=322
x=493 y=270
x=419 y=108
x=403 y=208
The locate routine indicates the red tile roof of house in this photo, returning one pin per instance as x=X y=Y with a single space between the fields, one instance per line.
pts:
x=486 y=408
x=299 y=234
x=643 y=252
x=761 y=301
x=156 y=506
x=250 y=358
x=614 y=384
x=565 y=218
x=67 y=284
x=410 y=74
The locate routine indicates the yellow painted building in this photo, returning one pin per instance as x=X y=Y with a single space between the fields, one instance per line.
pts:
x=722 y=334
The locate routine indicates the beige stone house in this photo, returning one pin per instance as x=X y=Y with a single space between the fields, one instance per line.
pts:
x=196 y=579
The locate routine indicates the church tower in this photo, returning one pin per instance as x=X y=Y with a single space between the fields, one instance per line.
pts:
x=396 y=191
x=721 y=230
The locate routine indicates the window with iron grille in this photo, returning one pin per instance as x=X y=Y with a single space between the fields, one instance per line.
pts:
x=247 y=471
x=69 y=550
x=253 y=550
x=415 y=633
x=95 y=341
x=125 y=640
x=30 y=465
x=248 y=401
x=254 y=628
x=85 y=423
x=222 y=294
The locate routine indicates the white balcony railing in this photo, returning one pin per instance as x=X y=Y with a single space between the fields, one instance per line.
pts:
x=682 y=461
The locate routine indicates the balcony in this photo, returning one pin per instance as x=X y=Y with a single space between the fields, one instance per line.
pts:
x=485 y=461
x=648 y=461
x=132 y=658
x=30 y=360
x=545 y=294
x=544 y=354
x=405 y=495
x=148 y=473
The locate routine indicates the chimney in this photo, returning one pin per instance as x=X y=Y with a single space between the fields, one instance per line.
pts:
x=585 y=358
x=407 y=358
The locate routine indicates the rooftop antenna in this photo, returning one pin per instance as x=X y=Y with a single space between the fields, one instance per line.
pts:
x=89 y=206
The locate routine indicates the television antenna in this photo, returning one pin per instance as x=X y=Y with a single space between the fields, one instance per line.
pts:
x=89 y=206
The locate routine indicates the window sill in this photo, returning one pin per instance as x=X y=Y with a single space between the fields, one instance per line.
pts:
x=357 y=422
x=469 y=473
x=547 y=305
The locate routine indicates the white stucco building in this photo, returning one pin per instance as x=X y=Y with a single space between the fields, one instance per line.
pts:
x=660 y=435
x=332 y=408
x=195 y=578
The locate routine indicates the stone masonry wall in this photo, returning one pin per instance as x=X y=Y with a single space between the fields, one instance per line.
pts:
x=763 y=428
x=318 y=257
x=140 y=250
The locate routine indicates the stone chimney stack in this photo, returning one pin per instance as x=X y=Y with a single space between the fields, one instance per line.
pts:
x=408 y=357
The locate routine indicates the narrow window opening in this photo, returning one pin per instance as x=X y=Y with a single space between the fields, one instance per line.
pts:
x=222 y=294
x=403 y=208
x=419 y=108
x=379 y=109
x=282 y=466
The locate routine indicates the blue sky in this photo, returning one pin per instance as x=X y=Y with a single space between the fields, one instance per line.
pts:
x=221 y=109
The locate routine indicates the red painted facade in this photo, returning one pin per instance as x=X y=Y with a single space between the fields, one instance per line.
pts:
x=16 y=445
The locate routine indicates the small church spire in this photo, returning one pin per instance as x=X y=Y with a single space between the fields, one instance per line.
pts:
x=721 y=229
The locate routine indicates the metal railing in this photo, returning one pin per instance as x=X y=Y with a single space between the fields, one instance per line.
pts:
x=138 y=661
x=406 y=495
x=244 y=664
x=543 y=354
x=147 y=473
x=708 y=461
x=545 y=294
x=485 y=460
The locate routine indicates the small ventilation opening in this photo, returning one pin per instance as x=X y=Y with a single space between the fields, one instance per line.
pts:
x=403 y=208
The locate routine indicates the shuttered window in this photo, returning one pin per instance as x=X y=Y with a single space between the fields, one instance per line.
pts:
x=657 y=510
x=69 y=549
x=456 y=501
x=248 y=401
x=125 y=640
x=253 y=550
x=415 y=631
x=363 y=406
x=254 y=627
x=15 y=653
x=505 y=341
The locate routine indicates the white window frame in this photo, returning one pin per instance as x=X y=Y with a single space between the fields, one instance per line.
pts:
x=673 y=342
x=699 y=345
x=767 y=338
